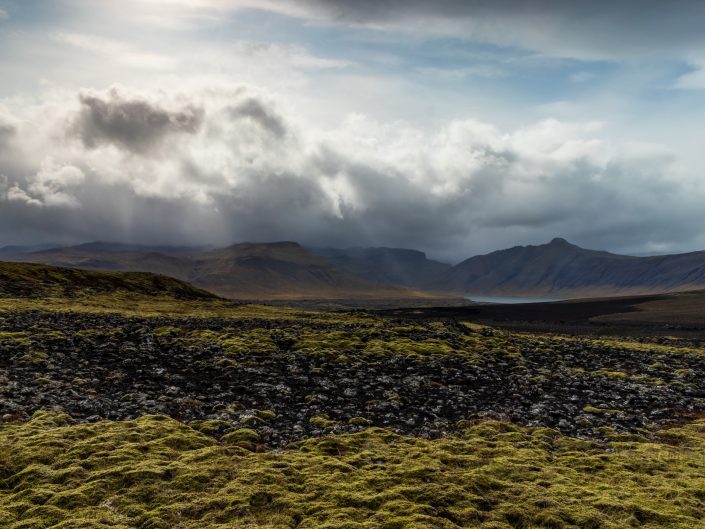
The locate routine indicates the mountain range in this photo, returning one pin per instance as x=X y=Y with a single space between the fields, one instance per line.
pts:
x=269 y=271
x=563 y=270
x=289 y=271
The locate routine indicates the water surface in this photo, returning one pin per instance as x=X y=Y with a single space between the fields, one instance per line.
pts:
x=508 y=300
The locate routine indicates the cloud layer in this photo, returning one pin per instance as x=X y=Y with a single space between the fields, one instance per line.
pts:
x=231 y=163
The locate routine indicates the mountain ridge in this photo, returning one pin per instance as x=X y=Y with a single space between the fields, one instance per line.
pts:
x=286 y=270
x=400 y=266
x=562 y=269
x=258 y=271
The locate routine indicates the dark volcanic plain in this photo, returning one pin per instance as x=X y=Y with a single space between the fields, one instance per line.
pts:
x=302 y=379
x=679 y=314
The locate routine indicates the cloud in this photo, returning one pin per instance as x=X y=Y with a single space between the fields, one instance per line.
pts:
x=130 y=122
x=486 y=71
x=6 y=133
x=48 y=187
x=256 y=111
x=230 y=163
x=4 y=15
x=573 y=28
x=694 y=79
x=113 y=50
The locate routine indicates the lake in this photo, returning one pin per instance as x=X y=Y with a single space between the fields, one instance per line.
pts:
x=507 y=300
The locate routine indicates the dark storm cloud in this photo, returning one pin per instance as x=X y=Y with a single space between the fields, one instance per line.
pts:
x=256 y=111
x=133 y=124
x=6 y=133
x=601 y=28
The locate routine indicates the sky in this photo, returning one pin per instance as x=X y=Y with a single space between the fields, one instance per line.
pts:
x=456 y=127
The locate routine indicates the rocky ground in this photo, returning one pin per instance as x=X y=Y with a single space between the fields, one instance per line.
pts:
x=222 y=374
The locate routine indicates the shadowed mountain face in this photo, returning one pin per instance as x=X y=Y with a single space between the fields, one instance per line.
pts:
x=561 y=269
x=385 y=265
x=282 y=270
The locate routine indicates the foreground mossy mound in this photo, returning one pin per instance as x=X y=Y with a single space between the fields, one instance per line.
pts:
x=155 y=473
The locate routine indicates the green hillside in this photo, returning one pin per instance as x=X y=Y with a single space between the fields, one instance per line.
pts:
x=25 y=280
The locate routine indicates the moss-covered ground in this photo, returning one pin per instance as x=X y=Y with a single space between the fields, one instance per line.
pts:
x=156 y=473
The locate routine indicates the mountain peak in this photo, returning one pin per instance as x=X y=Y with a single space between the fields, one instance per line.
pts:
x=275 y=244
x=559 y=241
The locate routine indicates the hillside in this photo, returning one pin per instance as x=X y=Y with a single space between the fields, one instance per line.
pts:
x=282 y=270
x=561 y=269
x=263 y=271
x=385 y=265
x=20 y=280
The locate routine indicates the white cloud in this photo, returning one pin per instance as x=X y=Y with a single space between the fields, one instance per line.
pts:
x=120 y=52
x=49 y=186
x=487 y=71
x=4 y=15
x=295 y=56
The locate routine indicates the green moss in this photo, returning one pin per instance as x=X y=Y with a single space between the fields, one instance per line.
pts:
x=254 y=341
x=266 y=415
x=14 y=338
x=154 y=472
x=408 y=347
x=612 y=374
x=329 y=342
x=359 y=421
x=241 y=435
x=321 y=421
x=34 y=357
x=600 y=411
x=209 y=427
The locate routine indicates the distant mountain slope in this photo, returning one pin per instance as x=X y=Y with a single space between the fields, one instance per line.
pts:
x=282 y=270
x=37 y=280
x=561 y=269
x=14 y=250
x=102 y=246
x=385 y=265
x=95 y=256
